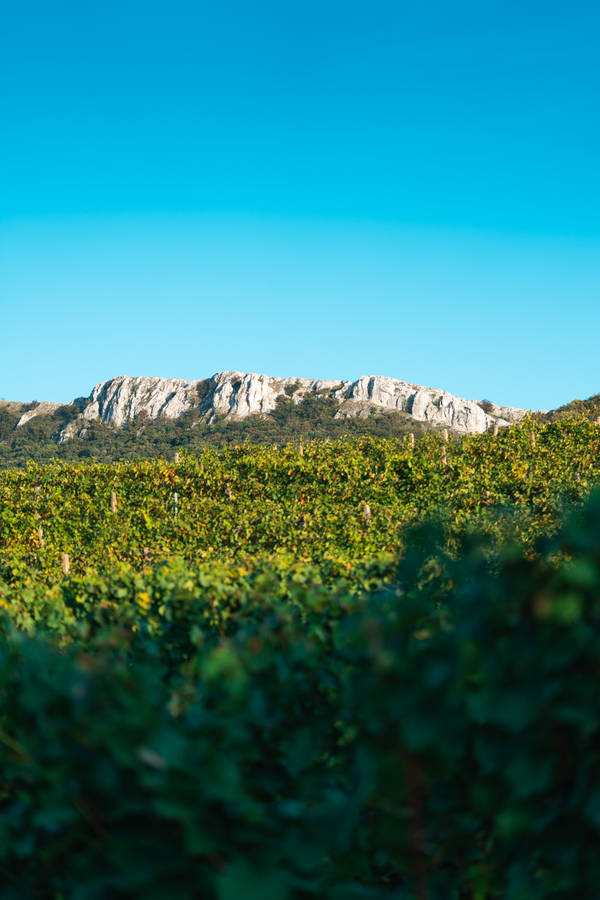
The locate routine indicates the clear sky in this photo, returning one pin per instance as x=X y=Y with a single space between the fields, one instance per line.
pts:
x=324 y=189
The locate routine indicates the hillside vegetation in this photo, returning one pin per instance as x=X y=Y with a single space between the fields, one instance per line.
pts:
x=358 y=668
x=313 y=419
x=589 y=409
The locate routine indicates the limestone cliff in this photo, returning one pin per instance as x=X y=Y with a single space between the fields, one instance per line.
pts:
x=236 y=395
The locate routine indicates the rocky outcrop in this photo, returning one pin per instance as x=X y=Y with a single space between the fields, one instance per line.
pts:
x=45 y=408
x=123 y=399
x=237 y=395
x=426 y=404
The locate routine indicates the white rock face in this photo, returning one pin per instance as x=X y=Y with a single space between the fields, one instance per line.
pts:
x=441 y=408
x=237 y=395
x=40 y=409
x=381 y=391
x=123 y=399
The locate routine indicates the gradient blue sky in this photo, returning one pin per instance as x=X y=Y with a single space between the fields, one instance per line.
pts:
x=324 y=189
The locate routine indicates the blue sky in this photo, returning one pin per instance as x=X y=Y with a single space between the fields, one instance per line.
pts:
x=321 y=189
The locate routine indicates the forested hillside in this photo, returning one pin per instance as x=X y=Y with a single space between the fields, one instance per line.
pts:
x=313 y=419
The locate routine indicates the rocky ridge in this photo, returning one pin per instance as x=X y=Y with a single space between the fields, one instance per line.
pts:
x=237 y=395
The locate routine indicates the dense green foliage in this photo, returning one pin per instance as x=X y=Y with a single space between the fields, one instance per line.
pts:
x=344 y=670
x=309 y=501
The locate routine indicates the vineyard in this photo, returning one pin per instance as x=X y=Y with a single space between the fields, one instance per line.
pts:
x=358 y=668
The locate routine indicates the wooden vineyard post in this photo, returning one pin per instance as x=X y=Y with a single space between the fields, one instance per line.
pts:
x=495 y=429
x=411 y=440
x=444 y=457
x=66 y=565
x=445 y=435
x=532 y=439
x=113 y=502
x=176 y=457
x=40 y=531
x=366 y=512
